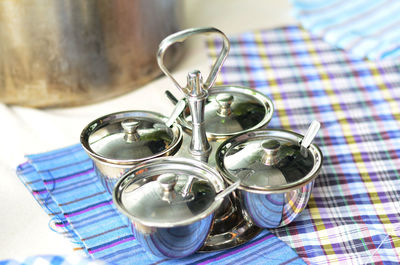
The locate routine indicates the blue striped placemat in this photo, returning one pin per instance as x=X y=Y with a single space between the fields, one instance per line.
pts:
x=366 y=28
x=65 y=184
x=53 y=260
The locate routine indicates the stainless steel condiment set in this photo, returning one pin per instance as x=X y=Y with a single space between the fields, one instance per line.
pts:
x=213 y=186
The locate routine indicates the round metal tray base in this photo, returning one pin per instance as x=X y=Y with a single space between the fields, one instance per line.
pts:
x=230 y=229
x=241 y=234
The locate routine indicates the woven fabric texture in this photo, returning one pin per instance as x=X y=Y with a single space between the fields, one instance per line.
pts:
x=53 y=260
x=65 y=184
x=367 y=28
x=353 y=214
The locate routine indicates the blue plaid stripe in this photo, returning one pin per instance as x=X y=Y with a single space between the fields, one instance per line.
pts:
x=67 y=177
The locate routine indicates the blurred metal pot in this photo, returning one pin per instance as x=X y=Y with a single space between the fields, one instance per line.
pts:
x=65 y=53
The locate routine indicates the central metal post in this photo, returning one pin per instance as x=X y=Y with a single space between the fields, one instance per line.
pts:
x=197 y=96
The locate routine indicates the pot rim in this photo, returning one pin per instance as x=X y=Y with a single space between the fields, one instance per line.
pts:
x=131 y=176
x=263 y=99
x=314 y=150
x=94 y=125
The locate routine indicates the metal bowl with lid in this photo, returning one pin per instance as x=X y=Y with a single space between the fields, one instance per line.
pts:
x=281 y=166
x=171 y=203
x=118 y=141
x=231 y=110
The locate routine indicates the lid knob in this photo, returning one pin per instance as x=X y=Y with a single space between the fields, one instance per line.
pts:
x=270 y=148
x=224 y=101
x=130 y=126
x=167 y=183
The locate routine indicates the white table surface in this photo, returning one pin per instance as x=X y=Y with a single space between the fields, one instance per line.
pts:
x=24 y=227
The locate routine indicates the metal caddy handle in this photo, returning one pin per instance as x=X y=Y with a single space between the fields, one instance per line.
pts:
x=195 y=90
x=181 y=36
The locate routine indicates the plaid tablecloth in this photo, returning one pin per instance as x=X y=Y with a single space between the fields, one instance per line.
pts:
x=367 y=28
x=353 y=214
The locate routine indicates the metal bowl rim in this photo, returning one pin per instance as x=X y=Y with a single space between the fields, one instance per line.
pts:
x=127 y=177
x=263 y=99
x=177 y=140
x=315 y=151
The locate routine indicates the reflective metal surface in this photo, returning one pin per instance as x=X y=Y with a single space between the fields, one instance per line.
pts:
x=167 y=221
x=277 y=209
x=180 y=205
x=281 y=178
x=182 y=36
x=231 y=110
x=309 y=137
x=174 y=242
x=120 y=140
x=275 y=157
x=63 y=53
x=195 y=91
x=231 y=225
x=179 y=107
x=131 y=139
x=140 y=192
x=199 y=146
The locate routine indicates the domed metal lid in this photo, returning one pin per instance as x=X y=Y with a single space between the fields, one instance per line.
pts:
x=231 y=110
x=168 y=192
x=274 y=160
x=129 y=137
